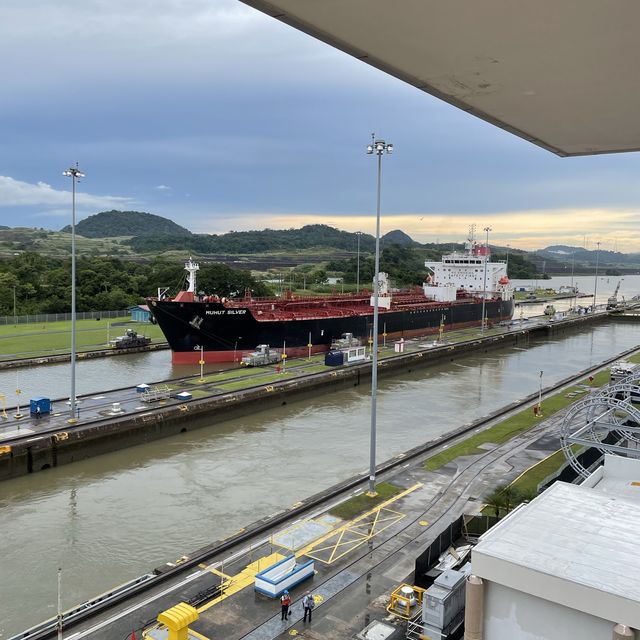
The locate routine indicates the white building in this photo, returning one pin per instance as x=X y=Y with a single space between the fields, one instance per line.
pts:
x=565 y=566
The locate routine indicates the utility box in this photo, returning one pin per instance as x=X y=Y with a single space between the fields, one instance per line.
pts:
x=43 y=404
x=334 y=358
x=141 y=388
x=443 y=603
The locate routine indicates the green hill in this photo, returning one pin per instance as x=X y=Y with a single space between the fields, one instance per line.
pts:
x=312 y=236
x=109 y=224
x=398 y=237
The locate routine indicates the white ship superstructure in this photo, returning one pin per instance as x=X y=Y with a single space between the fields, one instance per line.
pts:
x=471 y=271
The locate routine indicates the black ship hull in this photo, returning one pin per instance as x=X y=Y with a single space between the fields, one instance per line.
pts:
x=223 y=334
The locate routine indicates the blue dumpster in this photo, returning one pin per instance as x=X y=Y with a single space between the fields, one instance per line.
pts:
x=39 y=406
x=334 y=358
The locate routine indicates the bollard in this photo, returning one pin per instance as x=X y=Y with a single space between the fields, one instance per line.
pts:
x=623 y=632
x=177 y=620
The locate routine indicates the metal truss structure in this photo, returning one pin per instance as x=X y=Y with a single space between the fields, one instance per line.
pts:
x=608 y=420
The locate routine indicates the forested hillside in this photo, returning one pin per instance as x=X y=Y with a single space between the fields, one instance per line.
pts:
x=109 y=224
x=43 y=285
x=267 y=240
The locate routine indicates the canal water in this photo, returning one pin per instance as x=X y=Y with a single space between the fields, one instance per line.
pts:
x=102 y=374
x=114 y=517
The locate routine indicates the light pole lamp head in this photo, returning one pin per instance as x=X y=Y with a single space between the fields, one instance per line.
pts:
x=73 y=172
x=379 y=147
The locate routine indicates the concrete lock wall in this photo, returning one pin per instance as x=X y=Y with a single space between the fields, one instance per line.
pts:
x=509 y=614
x=105 y=436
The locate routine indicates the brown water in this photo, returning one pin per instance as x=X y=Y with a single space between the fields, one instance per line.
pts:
x=111 y=518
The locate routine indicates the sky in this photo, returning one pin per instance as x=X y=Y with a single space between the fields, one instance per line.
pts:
x=220 y=118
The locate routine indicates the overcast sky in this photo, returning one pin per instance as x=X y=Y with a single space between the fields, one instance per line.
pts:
x=221 y=118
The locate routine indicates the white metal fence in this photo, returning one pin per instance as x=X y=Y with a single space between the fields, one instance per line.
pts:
x=40 y=318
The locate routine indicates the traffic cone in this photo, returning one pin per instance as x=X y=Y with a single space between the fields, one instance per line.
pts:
x=133 y=635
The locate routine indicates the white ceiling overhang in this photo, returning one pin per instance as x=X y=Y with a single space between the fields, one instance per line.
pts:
x=563 y=74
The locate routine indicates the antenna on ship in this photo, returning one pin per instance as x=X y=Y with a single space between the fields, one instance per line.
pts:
x=191 y=267
x=471 y=240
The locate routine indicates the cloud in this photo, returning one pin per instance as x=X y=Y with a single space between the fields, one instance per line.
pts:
x=163 y=187
x=528 y=230
x=148 y=40
x=17 y=193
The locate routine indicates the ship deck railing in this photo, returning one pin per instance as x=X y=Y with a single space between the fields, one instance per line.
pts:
x=155 y=394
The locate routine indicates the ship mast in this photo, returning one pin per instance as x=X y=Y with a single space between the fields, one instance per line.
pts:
x=191 y=267
x=471 y=240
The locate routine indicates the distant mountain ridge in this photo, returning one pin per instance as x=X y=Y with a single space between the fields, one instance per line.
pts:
x=582 y=255
x=150 y=232
x=109 y=224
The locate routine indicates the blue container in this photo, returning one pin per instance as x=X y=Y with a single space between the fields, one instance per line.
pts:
x=43 y=403
x=334 y=358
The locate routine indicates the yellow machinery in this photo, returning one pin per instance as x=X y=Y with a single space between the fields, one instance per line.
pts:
x=177 y=620
x=403 y=600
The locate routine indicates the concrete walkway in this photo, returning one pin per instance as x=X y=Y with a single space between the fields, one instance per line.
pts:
x=352 y=584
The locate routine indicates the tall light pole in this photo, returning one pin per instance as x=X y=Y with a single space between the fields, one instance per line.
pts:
x=59 y=620
x=358 y=233
x=574 y=290
x=540 y=394
x=74 y=173
x=377 y=147
x=573 y=266
x=595 y=288
x=484 y=291
x=15 y=316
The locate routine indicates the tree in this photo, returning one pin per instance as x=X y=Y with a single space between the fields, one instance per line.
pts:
x=495 y=501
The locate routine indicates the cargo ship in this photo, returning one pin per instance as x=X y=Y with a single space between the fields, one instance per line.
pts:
x=218 y=329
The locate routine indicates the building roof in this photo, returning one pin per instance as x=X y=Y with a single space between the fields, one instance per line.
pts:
x=618 y=477
x=559 y=74
x=574 y=545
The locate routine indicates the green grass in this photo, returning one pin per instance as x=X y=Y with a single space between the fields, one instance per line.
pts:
x=45 y=339
x=530 y=479
x=200 y=393
x=240 y=372
x=317 y=368
x=244 y=384
x=507 y=429
x=362 y=503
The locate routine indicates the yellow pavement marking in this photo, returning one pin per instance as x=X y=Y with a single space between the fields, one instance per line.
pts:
x=247 y=576
x=423 y=523
x=348 y=525
x=243 y=579
x=351 y=538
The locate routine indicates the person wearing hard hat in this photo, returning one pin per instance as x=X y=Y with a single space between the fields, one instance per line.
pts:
x=285 y=601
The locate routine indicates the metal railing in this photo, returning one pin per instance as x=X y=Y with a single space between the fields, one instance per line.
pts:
x=39 y=318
